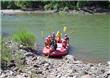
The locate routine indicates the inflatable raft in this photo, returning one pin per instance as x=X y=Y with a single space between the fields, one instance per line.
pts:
x=59 y=52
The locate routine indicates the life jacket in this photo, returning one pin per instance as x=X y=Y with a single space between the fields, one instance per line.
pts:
x=58 y=36
x=64 y=43
x=47 y=42
x=58 y=39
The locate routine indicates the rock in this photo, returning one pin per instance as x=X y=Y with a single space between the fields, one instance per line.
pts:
x=23 y=60
x=28 y=54
x=12 y=61
x=16 y=69
x=86 y=76
x=19 y=76
x=69 y=58
x=12 y=64
x=43 y=62
x=46 y=65
x=35 y=58
x=20 y=71
x=74 y=76
x=36 y=66
x=108 y=62
x=11 y=73
x=103 y=71
x=39 y=72
x=2 y=75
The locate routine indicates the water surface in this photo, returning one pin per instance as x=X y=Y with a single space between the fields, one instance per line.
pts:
x=89 y=34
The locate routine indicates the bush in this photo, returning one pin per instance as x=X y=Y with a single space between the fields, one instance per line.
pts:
x=25 y=38
x=66 y=9
x=6 y=55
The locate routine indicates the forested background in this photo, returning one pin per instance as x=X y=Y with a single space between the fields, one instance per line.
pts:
x=53 y=5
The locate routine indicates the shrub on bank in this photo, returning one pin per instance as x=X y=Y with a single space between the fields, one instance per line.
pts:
x=6 y=55
x=25 y=38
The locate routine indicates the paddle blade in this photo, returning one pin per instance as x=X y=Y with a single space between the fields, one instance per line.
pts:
x=65 y=29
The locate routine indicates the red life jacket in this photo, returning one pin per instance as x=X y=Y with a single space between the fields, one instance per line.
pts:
x=64 y=43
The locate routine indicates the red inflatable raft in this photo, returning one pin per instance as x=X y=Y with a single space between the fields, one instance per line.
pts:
x=59 y=52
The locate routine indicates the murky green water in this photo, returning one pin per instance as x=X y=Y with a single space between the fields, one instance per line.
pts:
x=89 y=34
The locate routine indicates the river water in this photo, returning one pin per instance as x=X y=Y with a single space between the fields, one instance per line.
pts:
x=89 y=34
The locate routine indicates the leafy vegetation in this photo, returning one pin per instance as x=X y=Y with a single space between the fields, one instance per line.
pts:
x=6 y=55
x=50 y=5
x=25 y=38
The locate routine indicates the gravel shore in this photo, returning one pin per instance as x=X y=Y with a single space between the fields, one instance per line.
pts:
x=82 y=12
x=33 y=65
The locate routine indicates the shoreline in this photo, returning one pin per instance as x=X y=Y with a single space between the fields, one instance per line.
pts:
x=11 y=11
x=34 y=65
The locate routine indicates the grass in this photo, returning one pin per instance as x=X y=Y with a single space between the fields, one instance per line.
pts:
x=6 y=55
x=25 y=38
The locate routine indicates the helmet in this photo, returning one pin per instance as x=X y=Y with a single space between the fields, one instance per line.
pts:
x=65 y=35
x=49 y=36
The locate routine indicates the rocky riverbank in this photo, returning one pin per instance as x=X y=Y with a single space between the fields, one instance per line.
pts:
x=33 y=65
x=83 y=11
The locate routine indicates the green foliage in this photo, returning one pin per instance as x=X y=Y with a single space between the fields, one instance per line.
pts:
x=48 y=5
x=80 y=4
x=23 y=4
x=24 y=37
x=6 y=55
x=66 y=9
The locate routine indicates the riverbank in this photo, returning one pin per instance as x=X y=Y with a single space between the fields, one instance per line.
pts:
x=32 y=65
x=82 y=12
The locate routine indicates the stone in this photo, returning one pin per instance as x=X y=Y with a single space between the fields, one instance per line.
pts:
x=29 y=54
x=2 y=75
x=108 y=62
x=43 y=62
x=20 y=71
x=16 y=69
x=12 y=65
x=69 y=57
x=35 y=58
x=36 y=66
x=86 y=76
x=38 y=72
x=46 y=65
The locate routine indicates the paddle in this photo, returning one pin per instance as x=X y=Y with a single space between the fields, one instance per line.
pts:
x=64 y=29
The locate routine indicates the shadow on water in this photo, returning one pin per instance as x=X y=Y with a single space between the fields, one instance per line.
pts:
x=72 y=50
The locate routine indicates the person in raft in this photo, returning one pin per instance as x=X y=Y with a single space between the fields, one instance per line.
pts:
x=66 y=38
x=58 y=37
x=53 y=42
x=47 y=43
x=65 y=42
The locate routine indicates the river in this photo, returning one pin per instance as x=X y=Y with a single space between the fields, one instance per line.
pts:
x=89 y=34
